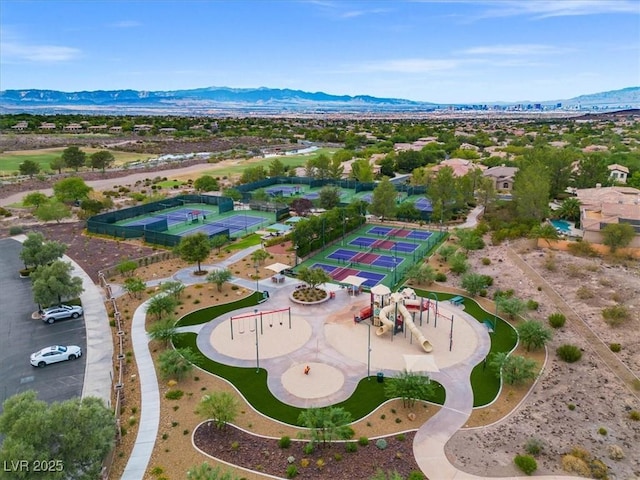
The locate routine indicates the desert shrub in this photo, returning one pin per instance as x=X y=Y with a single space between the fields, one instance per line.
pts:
x=532 y=305
x=337 y=457
x=488 y=280
x=583 y=293
x=572 y=464
x=292 y=471
x=401 y=437
x=571 y=406
x=486 y=261
x=174 y=395
x=634 y=415
x=615 y=347
x=440 y=277
x=415 y=475
x=284 y=442
x=304 y=463
x=291 y=459
x=381 y=444
x=582 y=249
x=602 y=431
x=616 y=452
x=308 y=448
x=363 y=441
x=235 y=446
x=615 y=315
x=351 y=447
x=15 y=230
x=569 y=353
x=533 y=446
x=557 y=320
x=599 y=469
x=157 y=471
x=526 y=463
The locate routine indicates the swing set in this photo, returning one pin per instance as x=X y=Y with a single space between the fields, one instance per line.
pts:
x=281 y=314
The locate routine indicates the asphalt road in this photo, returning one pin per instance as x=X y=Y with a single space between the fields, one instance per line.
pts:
x=21 y=336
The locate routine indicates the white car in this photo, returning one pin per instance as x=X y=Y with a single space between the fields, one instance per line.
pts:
x=50 y=315
x=54 y=354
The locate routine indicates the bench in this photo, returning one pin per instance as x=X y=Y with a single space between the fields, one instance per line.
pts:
x=457 y=301
x=490 y=324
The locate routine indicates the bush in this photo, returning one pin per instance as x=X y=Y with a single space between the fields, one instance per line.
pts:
x=615 y=347
x=381 y=444
x=526 y=463
x=533 y=446
x=486 y=261
x=582 y=249
x=284 y=442
x=351 y=447
x=634 y=415
x=292 y=471
x=615 y=315
x=415 y=475
x=308 y=449
x=569 y=353
x=174 y=395
x=602 y=431
x=441 y=277
x=532 y=305
x=363 y=441
x=16 y=230
x=557 y=320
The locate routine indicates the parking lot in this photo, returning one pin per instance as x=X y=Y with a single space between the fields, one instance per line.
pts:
x=23 y=335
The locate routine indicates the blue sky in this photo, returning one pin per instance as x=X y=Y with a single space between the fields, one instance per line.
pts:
x=438 y=51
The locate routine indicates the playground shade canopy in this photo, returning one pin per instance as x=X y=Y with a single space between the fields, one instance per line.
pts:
x=354 y=280
x=277 y=267
x=380 y=289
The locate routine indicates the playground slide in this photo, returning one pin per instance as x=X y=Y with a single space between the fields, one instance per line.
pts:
x=388 y=324
x=408 y=321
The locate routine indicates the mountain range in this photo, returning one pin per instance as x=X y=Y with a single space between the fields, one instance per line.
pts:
x=273 y=100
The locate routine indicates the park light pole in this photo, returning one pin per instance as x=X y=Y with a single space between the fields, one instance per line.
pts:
x=255 y=320
x=257 y=277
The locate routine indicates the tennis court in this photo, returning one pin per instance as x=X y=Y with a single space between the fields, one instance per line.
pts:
x=399 y=232
x=340 y=273
x=368 y=258
x=283 y=190
x=235 y=223
x=378 y=244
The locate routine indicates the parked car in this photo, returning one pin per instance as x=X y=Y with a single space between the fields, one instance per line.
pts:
x=54 y=354
x=61 y=312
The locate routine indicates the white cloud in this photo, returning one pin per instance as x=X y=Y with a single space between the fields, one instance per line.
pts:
x=515 y=49
x=554 y=8
x=125 y=24
x=14 y=51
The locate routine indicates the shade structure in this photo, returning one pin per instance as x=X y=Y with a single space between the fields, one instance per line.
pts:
x=353 y=280
x=277 y=267
x=380 y=289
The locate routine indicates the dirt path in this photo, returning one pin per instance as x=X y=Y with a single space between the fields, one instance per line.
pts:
x=599 y=347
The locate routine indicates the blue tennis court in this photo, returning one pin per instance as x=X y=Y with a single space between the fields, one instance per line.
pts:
x=311 y=195
x=399 y=232
x=401 y=247
x=282 y=190
x=338 y=274
x=382 y=261
x=174 y=217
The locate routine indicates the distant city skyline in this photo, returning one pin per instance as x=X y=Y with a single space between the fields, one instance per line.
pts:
x=455 y=51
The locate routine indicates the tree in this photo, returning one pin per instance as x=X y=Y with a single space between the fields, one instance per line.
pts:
x=512 y=306
x=102 y=159
x=276 y=168
x=387 y=166
x=301 y=206
x=259 y=256
x=421 y=274
x=232 y=193
x=134 y=286
x=52 y=210
x=160 y=305
x=407 y=211
x=473 y=283
x=326 y=424
x=321 y=164
x=219 y=277
x=335 y=170
x=486 y=193
x=592 y=169
x=447 y=251
x=164 y=330
x=72 y=436
x=458 y=263
x=34 y=199
x=533 y=334
x=313 y=276
x=570 y=209
x=409 y=386
x=222 y=407
x=127 y=267
x=194 y=248
x=616 y=235
x=218 y=242
x=383 y=200
x=362 y=170
x=469 y=239
x=253 y=174
x=173 y=288
x=546 y=232
x=29 y=167
x=204 y=471
x=36 y=251
x=515 y=369
x=444 y=194
x=52 y=283
x=206 y=183
x=177 y=363
x=73 y=157
x=71 y=189
x=329 y=197
x=531 y=192
x=57 y=164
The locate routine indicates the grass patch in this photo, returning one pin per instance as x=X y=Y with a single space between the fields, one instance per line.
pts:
x=171 y=183
x=484 y=382
x=206 y=314
x=245 y=242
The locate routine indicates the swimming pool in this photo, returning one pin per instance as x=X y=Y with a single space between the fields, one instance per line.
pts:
x=562 y=226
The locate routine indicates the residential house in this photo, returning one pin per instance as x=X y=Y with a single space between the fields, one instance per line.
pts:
x=460 y=166
x=618 y=173
x=47 y=126
x=601 y=206
x=73 y=128
x=502 y=176
x=20 y=126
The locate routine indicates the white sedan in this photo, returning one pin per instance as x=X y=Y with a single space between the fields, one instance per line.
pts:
x=54 y=354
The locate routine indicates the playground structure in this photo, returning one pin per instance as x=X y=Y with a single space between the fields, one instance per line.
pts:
x=399 y=301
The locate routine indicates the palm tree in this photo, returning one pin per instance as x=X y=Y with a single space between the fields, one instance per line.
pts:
x=570 y=210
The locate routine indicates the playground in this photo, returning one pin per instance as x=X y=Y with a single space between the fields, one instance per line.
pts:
x=316 y=355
